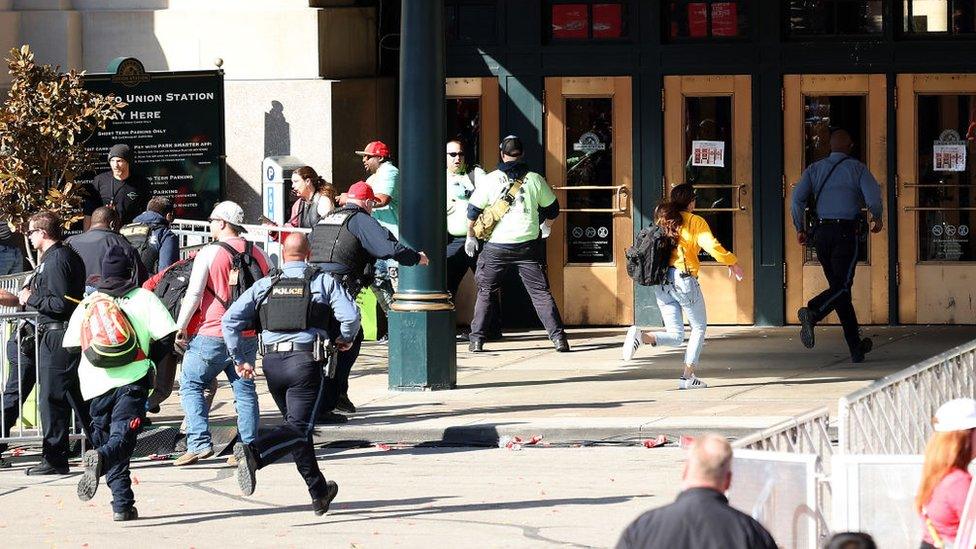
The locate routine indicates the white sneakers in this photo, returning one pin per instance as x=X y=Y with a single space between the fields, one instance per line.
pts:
x=632 y=342
x=691 y=383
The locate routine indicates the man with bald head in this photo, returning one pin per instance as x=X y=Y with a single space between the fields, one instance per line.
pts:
x=101 y=235
x=701 y=516
x=295 y=349
x=827 y=214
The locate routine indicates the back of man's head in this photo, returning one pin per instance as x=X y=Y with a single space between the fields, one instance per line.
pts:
x=840 y=141
x=105 y=217
x=295 y=247
x=161 y=205
x=709 y=463
x=851 y=540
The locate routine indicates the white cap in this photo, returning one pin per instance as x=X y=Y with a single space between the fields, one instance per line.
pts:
x=230 y=212
x=956 y=415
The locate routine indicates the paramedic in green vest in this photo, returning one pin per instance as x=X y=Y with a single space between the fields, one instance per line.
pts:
x=462 y=178
x=515 y=242
x=118 y=394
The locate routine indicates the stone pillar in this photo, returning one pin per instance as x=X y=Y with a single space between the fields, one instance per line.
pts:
x=423 y=354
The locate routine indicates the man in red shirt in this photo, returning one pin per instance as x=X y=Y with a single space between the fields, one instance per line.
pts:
x=206 y=354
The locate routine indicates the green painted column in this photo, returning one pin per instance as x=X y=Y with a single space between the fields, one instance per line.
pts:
x=423 y=354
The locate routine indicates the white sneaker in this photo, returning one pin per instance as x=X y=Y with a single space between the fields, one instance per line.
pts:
x=691 y=383
x=632 y=342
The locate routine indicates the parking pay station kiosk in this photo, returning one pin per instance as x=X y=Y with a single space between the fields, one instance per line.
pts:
x=276 y=196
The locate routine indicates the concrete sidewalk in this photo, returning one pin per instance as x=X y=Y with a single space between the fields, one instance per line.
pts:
x=757 y=377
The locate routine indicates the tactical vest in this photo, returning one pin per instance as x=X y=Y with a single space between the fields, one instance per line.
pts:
x=288 y=305
x=308 y=212
x=332 y=242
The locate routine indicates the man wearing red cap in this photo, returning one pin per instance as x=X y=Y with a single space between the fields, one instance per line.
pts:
x=384 y=178
x=346 y=243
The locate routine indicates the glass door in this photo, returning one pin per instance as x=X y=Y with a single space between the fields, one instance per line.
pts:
x=813 y=106
x=708 y=142
x=589 y=165
x=936 y=198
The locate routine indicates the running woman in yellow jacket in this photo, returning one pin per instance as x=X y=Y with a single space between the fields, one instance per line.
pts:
x=682 y=294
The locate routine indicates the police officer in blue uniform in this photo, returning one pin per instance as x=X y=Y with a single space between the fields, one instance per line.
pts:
x=294 y=307
x=840 y=186
x=346 y=243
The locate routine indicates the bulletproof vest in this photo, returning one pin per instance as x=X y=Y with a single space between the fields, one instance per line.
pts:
x=308 y=212
x=332 y=242
x=288 y=305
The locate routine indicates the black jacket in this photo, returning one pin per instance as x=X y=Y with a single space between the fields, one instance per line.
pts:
x=699 y=518
x=128 y=197
x=58 y=284
x=92 y=245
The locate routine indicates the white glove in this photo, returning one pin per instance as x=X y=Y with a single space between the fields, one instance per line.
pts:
x=470 y=246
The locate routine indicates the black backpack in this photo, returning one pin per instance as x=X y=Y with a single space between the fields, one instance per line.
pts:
x=172 y=285
x=648 y=259
x=140 y=236
x=244 y=272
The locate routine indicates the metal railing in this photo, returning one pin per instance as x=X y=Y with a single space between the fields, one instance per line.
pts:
x=894 y=414
x=193 y=235
x=807 y=434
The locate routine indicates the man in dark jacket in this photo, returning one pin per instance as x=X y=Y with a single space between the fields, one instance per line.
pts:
x=701 y=516
x=54 y=292
x=92 y=244
x=162 y=245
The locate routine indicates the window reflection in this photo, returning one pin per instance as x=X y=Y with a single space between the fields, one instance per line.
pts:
x=698 y=19
x=946 y=182
x=939 y=16
x=587 y=20
x=708 y=134
x=462 y=117
x=834 y=17
x=589 y=162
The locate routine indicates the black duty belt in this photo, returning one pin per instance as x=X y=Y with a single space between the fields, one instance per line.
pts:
x=54 y=325
x=287 y=347
x=838 y=221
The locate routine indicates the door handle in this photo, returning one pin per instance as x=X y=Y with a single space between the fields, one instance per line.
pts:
x=739 y=191
x=619 y=194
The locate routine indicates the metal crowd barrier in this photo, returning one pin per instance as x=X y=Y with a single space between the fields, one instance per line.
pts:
x=25 y=423
x=13 y=283
x=806 y=437
x=193 y=235
x=894 y=414
x=779 y=489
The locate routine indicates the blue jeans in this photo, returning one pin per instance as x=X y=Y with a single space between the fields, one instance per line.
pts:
x=206 y=357
x=682 y=295
x=11 y=260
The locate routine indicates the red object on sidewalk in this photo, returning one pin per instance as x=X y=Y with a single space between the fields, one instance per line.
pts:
x=661 y=440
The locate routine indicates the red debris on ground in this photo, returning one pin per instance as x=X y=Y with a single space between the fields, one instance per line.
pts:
x=661 y=440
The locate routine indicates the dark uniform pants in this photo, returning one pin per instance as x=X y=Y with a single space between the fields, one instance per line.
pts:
x=58 y=394
x=295 y=382
x=529 y=259
x=20 y=382
x=837 y=250
x=116 y=417
x=458 y=264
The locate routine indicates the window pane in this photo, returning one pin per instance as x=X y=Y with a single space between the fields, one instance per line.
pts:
x=708 y=129
x=833 y=17
x=589 y=162
x=823 y=114
x=706 y=19
x=939 y=16
x=463 y=122
x=607 y=21
x=570 y=21
x=946 y=177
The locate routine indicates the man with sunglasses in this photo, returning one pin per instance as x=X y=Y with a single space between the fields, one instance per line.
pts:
x=54 y=291
x=461 y=182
